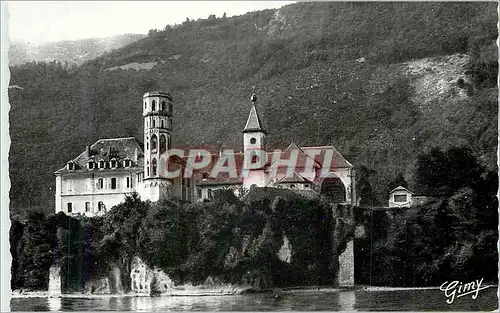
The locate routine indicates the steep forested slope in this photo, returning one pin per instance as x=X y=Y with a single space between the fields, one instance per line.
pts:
x=383 y=82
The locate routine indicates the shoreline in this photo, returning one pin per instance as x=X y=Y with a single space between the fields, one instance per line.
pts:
x=178 y=293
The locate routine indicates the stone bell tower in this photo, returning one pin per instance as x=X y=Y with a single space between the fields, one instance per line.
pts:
x=254 y=148
x=157 y=112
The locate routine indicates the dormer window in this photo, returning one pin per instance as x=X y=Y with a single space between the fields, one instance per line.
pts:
x=127 y=163
x=91 y=165
x=70 y=166
x=114 y=163
x=102 y=164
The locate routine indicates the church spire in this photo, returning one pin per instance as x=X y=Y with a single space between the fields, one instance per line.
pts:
x=253 y=122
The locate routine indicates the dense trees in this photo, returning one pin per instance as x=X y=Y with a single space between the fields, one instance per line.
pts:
x=444 y=173
x=451 y=237
x=228 y=239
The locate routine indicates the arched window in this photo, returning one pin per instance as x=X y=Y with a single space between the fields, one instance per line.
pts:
x=100 y=183
x=163 y=106
x=153 y=167
x=113 y=183
x=154 y=124
x=153 y=106
x=163 y=143
x=154 y=142
x=100 y=206
x=162 y=124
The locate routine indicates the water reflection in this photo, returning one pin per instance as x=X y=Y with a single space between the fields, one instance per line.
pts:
x=399 y=300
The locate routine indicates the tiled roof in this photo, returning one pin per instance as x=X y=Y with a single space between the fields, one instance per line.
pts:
x=338 y=161
x=295 y=178
x=253 y=122
x=108 y=149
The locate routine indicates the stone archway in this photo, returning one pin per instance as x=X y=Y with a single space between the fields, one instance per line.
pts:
x=333 y=189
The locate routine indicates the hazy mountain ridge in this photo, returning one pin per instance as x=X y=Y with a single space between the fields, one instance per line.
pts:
x=72 y=52
x=356 y=75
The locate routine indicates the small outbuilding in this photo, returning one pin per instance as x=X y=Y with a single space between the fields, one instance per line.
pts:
x=400 y=197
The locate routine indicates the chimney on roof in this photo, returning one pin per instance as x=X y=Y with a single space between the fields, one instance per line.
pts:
x=87 y=149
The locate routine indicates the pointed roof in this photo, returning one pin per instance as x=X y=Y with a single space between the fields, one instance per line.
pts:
x=253 y=122
x=400 y=188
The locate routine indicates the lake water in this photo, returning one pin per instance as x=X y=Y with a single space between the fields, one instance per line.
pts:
x=360 y=300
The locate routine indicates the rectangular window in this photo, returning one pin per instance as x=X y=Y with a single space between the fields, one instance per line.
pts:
x=399 y=198
x=210 y=195
x=198 y=193
x=87 y=206
x=113 y=183
x=70 y=207
x=128 y=182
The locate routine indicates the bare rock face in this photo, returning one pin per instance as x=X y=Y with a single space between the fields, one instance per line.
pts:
x=285 y=253
x=277 y=24
x=54 y=280
x=146 y=282
x=161 y=283
x=436 y=78
x=141 y=277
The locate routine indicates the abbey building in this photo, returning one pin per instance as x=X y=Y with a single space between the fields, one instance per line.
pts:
x=109 y=169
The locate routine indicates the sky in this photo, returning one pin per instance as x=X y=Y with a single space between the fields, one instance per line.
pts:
x=44 y=21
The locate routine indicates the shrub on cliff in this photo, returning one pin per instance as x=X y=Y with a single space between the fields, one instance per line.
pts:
x=34 y=252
